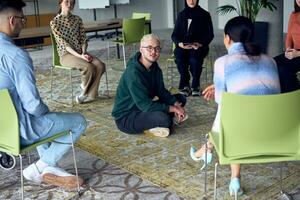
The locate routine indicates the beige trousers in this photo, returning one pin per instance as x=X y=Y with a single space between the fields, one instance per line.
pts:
x=91 y=72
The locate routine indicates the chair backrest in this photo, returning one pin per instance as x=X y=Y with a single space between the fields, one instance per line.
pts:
x=137 y=15
x=55 y=56
x=133 y=30
x=147 y=16
x=260 y=125
x=9 y=126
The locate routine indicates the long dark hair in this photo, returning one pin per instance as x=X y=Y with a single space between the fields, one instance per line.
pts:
x=241 y=29
x=297 y=8
x=59 y=2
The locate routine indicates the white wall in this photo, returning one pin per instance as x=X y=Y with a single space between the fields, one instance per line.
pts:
x=159 y=9
x=288 y=7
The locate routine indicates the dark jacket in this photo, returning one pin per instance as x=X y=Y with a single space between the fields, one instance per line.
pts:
x=200 y=30
x=138 y=86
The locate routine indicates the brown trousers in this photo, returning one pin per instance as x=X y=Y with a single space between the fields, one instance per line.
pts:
x=91 y=72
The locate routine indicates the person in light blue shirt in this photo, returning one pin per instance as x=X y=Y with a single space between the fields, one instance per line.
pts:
x=36 y=122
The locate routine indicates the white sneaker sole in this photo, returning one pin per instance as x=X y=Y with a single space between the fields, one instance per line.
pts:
x=158 y=132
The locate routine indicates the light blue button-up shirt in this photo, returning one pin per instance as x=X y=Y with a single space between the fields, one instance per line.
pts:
x=17 y=75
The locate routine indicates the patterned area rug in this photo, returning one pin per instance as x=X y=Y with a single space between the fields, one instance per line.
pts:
x=102 y=181
x=163 y=161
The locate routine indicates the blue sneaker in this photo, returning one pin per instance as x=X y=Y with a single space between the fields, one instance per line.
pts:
x=209 y=157
x=235 y=187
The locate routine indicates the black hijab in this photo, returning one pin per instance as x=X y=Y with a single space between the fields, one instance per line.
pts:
x=191 y=11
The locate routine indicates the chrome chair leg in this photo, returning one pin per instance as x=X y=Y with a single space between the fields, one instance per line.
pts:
x=71 y=84
x=107 y=52
x=282 y=192
x=205 y=172
x=106 y=80
x=51 y=82
x=124 y=58
x=75 y=164
x=215 y=183
x=22 y=180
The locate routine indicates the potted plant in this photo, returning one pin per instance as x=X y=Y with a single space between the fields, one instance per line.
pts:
x=247 y=8
x=250 y=9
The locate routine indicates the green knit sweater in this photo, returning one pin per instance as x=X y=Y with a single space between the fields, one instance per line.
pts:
x=137 y=88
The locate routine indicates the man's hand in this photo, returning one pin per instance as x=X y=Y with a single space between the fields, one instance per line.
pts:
x=209 y=92
x=179 y=112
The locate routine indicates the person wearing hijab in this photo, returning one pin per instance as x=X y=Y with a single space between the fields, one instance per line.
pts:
x=192 y=34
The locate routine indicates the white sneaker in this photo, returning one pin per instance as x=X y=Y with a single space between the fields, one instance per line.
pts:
x=31 y=173
x=159 y=131
x=81 y=86
x=81 y=98
x=175 y=121
x=59 y=177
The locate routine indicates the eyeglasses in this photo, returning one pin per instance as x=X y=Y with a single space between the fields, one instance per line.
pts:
x=151 y=48
x=23 y=18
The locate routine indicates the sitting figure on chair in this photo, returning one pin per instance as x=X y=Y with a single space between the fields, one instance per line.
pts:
x=135 y=109
x=36 y=122
x=192 y=34
x=244 y=70
x=288 y=63
x=71 y=42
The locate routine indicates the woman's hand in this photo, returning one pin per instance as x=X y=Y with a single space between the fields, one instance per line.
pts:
x=291 y=53
x=185 y=46
x=209 y=92
x=87 y=57
x=196 y=45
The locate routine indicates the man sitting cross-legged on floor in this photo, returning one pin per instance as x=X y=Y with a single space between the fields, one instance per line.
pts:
x=36 y=122
x=135 y=109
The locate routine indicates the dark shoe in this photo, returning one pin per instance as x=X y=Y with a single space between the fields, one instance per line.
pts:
x=196 y=92
x=186 y=91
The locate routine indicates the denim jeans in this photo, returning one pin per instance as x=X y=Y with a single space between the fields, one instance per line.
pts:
x=52 y=152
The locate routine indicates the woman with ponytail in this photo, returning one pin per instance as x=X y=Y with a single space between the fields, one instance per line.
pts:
x=244 y=70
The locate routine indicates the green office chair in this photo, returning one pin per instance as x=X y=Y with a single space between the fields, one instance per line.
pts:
x=56 y=64
x=132 y=32
x=253 y=127
x=147 y=16
x=10 y=137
